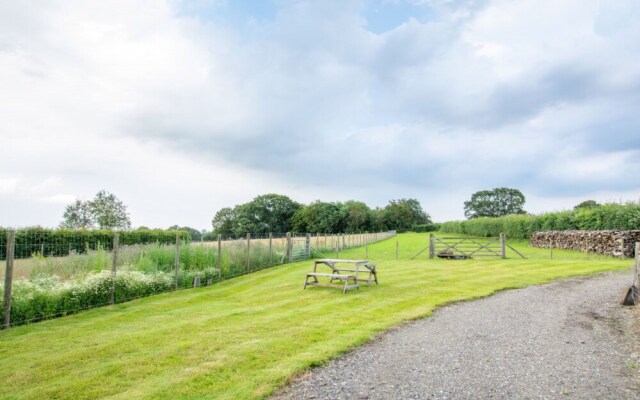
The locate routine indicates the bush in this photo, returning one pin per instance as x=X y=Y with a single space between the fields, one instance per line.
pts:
x=431 y=227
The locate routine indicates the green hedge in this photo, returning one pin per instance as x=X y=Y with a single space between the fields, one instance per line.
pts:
x=608 y=216
x=61 y=242
x=431 y=227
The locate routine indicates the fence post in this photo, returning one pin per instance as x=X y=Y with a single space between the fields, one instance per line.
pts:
x=308 y=244
x=270 y=249
x=114 y=265
x=248 y=253
x=344 y=244
x=636 y=268
x=289 y=247
x=219 y=258
x=8 y=277
x=503 y=242
x=337 y=247
x=551 y=248
x=432 y=246
x=177 y=259
x=622 y=248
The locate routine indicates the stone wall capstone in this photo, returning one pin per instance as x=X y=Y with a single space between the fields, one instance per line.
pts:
x=613 y=243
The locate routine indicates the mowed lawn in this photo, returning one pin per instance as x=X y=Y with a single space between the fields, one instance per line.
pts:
x=244 y=338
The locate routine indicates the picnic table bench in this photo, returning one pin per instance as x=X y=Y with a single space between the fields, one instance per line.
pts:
x=347 y=274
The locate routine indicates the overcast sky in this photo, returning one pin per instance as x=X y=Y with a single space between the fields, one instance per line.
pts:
x=181 y=108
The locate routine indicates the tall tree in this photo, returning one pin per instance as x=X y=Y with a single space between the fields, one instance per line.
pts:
x=494 y=203
x=404 y=213
x=109 y=211
x=224 y=222
x=78 y=215
x=356 y=216
x=266 y=213
x=320 y=217
x=105 y=211
x=587 y=204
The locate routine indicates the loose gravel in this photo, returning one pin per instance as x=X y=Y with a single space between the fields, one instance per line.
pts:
x=567 y=339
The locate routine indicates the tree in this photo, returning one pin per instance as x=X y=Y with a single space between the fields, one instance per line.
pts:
x=266 y=213
x=494 y=203
x=356 y=216
x=78 y=215
x=376 y=219
x=195 y=234
x=587 y=204
x=105 y=211
x=404 y=213
x=320 y=217
x=224 y=221
x=109 y=212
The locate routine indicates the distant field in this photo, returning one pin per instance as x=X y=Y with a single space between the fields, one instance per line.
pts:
x=245 y=337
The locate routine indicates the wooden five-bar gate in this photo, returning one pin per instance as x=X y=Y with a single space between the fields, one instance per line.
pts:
x=460 y=248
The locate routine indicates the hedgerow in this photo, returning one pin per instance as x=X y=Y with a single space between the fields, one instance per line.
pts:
x=605 y=217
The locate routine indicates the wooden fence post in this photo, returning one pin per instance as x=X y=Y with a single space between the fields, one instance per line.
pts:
x=8 y=277
x=308 y=244
x=503 y=242
x=551 y=248
x=289 y=247
x=432 y=246
x=219 y=258
x=337 y=247
x=636 y=268
x=248 y=253
x=177 y=259
x=270 y=249
x=114 y=263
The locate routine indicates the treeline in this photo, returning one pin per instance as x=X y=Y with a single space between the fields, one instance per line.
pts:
x=62 y=242
x=600 y=217
x=278 y=213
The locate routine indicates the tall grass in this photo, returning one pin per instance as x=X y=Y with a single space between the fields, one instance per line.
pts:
x=57 y=286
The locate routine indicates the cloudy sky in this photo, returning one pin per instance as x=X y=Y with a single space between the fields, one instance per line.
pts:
x=181 y=108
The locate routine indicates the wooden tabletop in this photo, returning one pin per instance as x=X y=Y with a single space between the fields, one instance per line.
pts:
x=337 y=260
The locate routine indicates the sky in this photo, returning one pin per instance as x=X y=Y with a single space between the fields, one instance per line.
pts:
x=181 y=108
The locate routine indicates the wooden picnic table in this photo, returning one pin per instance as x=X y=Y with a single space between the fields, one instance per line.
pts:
x=340 y=272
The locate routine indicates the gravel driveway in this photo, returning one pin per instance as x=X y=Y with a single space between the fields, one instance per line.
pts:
x=568 y=339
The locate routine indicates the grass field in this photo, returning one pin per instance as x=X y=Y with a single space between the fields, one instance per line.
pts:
x=243 y=338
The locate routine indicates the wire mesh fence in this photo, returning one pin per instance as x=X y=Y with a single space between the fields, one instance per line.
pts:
x=48 y=276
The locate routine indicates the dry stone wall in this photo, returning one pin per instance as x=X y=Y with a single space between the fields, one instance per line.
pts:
x=613 y=243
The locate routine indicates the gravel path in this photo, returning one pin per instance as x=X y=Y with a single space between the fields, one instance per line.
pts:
x=567 y=339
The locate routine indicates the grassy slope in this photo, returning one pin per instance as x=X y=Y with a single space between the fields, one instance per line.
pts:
x=244 y=337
